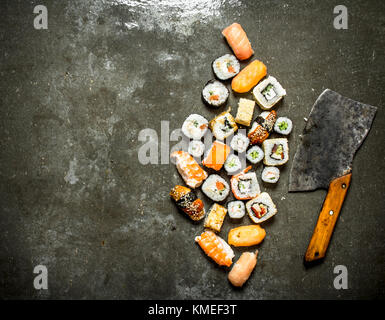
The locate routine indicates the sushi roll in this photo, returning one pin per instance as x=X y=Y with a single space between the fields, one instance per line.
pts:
x=276 y=151
x=195 y=126
x=233 y=164
x=268 y=92
x=196 y=148
x=187 y=201
x=216 y=188
x=255 y=154
x=215 y=217
x=240 y=143
x=215 y=93
x=226 y=67
x=216 y=248
x=236 y=209
x=261 y=208
x=216 y=156
x=189 y=169
x=283 y=126
x=245 y=185
x=245 y=111
x=237 y=39
x=249 y=76
x=223 y=125
x=270 y=174
x=262 y=126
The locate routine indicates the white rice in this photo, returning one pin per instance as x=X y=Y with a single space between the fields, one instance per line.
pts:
x=196 y=148
x=195 y=126
x=223 y=125
x=268 y=92
x=266 y=202
x=240 y=142
x=270 y=174
x=255 y=154
x=209 y=188
x=214 y=87
x=236 y=209
x=275 y=159
x=283 y=126
x=232 y=164
x=221 y=64
x=245 y=186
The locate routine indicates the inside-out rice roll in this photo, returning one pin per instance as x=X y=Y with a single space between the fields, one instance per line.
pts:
x=245 y=185
x=261 y=208
x=195 y=126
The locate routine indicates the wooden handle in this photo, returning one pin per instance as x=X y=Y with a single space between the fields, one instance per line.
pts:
x=327 y=218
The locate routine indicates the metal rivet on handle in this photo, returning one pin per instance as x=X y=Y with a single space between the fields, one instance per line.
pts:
x=331 y=212
x=343 y=186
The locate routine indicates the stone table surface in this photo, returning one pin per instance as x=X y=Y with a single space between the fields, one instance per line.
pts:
x=76 y=98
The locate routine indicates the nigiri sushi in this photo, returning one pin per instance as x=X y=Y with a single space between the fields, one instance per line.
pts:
x=189 y=169
x=237 y=39
x=246 y=235
x=216 y=248
x=243 y=268
x=187 y=201
x=216 y=156
x=245 y=80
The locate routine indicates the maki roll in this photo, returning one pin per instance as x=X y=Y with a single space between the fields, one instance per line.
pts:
x=195 y=126
x=276 y=151
x=236 y=209
x=226 y=67
x=262 y=127
x=239 y=143
x=270 y=174
x=223 y=125
x=255 y=154
x=261 y=208
x=215 y=93
x=187 y=201
x=268 y=93
x=196 y=148
x=216 y=156
x=245 y=185
x=216 y=188
x=245 y=111
x=233 y=164
x=215 y=217
x=283 y=126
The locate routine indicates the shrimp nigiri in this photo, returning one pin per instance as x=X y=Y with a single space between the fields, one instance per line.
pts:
x=216 y=248
x=249 y=77
x=238 y=41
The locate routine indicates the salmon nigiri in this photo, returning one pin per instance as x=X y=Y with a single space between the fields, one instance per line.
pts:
x=216 y=248
x=245 y=236
x=217 y=156
x=189 y=169
x=249 y=77
x=238 y=41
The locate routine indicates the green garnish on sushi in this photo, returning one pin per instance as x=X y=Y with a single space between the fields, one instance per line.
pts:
x=232 y=163
x=283 y=125
x=195 y=123
x=254 y=155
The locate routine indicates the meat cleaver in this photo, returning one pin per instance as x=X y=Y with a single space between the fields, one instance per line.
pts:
x=334 y=131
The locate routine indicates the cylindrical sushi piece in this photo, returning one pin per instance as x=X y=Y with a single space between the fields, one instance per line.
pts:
x=261 y=208
x=270 y=174
x=195 y=126
x=189 y=169
x=267 y=120
x=248 y=77
x=236 y=209
x=243 y=268
x=216 y=156
x=215 y=217
x=283 y=126
x=262 y=126
x=240 y=142
x=245 y=185
x=223 y=125
x=215 y=93
x=216 y=248
x=268 y=92
x=276 y=151
x=255 y=154
x=237 y=39
x=187 y=201
x=216 y=188
x=196 y=148
x=245 y=236
x=232 y=164
x=226 y=67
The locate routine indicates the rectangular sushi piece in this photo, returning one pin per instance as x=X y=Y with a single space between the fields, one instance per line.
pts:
x=276 y=151
x=215 y=217
x=245 y=111
x=223 y=125
x=268 y=92
x=262 y=126
x=261 y=208
x=216 y=156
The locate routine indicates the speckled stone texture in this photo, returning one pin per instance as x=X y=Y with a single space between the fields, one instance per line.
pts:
x=75 y=198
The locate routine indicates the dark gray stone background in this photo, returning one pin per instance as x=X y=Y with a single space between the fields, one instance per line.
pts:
x=73 y=195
